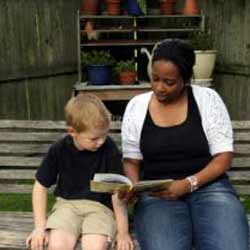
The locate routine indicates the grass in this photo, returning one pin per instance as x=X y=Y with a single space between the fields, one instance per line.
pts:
x=245 y=200
x=22 y=202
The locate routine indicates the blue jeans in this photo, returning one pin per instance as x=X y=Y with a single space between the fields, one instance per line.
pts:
x=210 y=218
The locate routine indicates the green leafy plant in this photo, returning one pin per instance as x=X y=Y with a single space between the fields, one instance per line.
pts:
x=202 y=40
x=143 y=6
x=125 y=66
x=97 y=57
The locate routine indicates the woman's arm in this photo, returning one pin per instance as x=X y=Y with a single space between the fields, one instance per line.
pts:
x=215 y=168
x=131 y=169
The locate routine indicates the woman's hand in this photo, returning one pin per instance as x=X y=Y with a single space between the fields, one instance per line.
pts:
x=37 y=239
x=174 y=191
x=124 y=241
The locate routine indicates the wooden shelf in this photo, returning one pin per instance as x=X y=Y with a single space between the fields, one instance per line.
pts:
x=113 y=92
x=115 y=43
x=123 y=92
x=83 y=17
x=131 y=32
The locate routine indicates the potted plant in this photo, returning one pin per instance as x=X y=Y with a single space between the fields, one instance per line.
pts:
x=191 y=8
x=205 y=55
x=126 y=72
x=137 y=7
x=167 y=7
x=113 y=7
x=99 y=66
x=89 y=7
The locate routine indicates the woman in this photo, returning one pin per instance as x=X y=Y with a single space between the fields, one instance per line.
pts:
x=182 y=132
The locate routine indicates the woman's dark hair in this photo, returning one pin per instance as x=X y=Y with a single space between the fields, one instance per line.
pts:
x=179 y=53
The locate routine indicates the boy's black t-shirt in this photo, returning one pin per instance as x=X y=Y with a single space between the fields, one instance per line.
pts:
x=71 y=169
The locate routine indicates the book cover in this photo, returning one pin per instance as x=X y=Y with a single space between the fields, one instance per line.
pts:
x=109 y=183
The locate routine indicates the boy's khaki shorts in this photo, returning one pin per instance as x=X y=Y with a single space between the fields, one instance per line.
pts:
x=81 y=217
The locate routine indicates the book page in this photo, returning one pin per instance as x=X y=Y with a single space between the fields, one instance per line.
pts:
x=108 y=187
x=111 y=178
x=150 y=186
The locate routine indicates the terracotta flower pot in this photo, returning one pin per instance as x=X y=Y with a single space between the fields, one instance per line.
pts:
x=113 y=7
x=191 y=8
x=127 y=78
x=89 y=7
x=168 y=7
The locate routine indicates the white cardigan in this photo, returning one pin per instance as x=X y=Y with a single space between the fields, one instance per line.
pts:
x=214 y=116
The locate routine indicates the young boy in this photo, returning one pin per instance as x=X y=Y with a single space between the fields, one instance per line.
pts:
x=70 y=164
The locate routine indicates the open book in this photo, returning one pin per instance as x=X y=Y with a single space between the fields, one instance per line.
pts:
x=109 y=183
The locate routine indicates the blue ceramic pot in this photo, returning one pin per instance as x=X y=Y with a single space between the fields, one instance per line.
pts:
x=133 y=8
x=99 y=74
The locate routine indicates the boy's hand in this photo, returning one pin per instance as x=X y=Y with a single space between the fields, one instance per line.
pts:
x=37 y=239
x=124 y=242
x=127 y=196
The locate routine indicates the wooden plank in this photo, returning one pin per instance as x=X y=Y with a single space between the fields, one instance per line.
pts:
x=29 y=124
x=31 y=136
x=14 y=228
x=242 y=189
x=20 y=188
x=20 y=161
x=239 y=175
x=238 y=124
x=242 y=149
x=241 y=162
x=42 y=124
x=37 y=137
x=16 y=188
x=14 y=174
x=24 y=149
x=242 y=136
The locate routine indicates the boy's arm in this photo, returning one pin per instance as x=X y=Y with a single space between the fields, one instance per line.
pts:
x=124 y=240
x=38 y=238
x=39 y=202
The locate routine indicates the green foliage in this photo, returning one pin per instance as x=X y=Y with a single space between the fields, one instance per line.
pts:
x=245 y=200
x=201 y=40
x=97 y=57
x=143 y=6
x=125 y=66
x=20 y=202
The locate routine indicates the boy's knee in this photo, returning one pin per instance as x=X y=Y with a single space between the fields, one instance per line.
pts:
x=59 y=245
x=102 y=245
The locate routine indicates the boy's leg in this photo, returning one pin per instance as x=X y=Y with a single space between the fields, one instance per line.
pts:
x=98 y=227
x=61 y=240
x=64 y=225
x=95 y=242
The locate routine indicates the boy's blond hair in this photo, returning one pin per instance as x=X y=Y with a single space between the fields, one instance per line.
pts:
x=86 y=111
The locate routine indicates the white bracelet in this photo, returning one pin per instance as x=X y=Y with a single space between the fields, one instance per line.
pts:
x=193 y=182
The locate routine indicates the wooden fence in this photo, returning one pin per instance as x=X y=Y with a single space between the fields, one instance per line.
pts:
x=38 y=61
x=38 y=55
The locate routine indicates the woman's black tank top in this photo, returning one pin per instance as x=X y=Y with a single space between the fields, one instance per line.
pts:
x=177 y=151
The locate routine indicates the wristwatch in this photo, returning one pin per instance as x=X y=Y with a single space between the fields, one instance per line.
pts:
x=193 y=182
